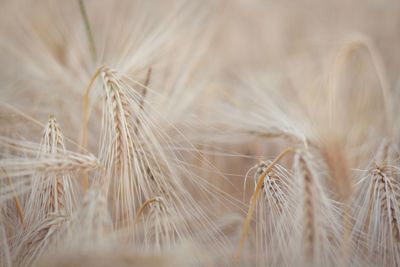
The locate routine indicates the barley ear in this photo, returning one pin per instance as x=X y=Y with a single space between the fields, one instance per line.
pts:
x=253 y=202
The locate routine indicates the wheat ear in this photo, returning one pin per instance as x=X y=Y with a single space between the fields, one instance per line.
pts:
x=159 y=230
x=309 y=213
x=318 y=216
x=51 y=192
x=253 y=202
x=378 y=213
x=358 y=43
x=274 y=214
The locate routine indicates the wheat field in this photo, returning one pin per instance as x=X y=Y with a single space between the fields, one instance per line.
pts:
x=199 y=133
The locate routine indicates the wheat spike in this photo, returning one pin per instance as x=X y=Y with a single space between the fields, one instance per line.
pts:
x=377 y=209
x=158 y=231
x=319 y=238
x=22 y=164
x=273 y=212
x=253 y=202
x=50 y=193
x=136 y=167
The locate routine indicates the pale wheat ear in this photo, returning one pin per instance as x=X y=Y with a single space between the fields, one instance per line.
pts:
x=140 y=163
x=309 y=211
x=121 y=137
x=253 y=202
x=356 y=43
x=52 y=197
x=159 y=231
x=86 y=113
x=21 y=163
x=51 y=193
x=319 y=237
x=274 y=214
x=377 y=210
x=358 y=92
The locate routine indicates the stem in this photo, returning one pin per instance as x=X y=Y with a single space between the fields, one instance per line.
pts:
x=84 y=124
x=85 y=110
x=88 y=30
